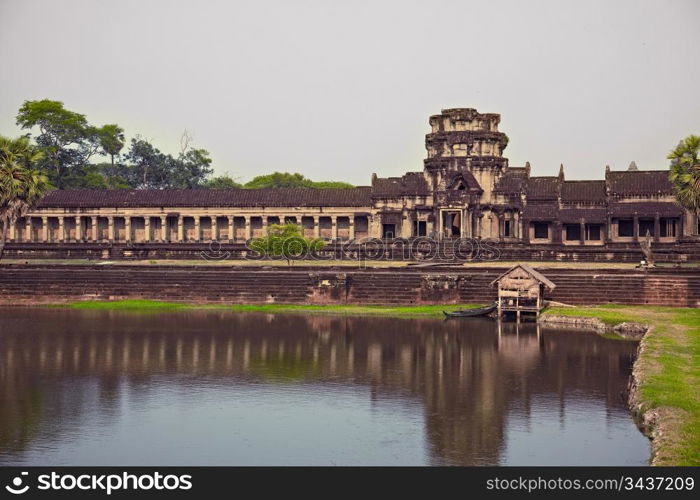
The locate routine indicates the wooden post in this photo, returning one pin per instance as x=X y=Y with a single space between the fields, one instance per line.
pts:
x=500 y=301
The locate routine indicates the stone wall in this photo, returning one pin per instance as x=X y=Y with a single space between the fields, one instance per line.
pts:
x=444 y=251
x=207 y=284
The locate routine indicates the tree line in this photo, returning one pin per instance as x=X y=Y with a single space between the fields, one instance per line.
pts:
x=73 y=152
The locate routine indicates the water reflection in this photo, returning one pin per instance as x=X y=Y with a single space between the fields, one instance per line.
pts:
x=213 y=387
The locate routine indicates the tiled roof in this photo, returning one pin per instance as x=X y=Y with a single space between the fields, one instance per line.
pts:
x=589 y=191
x=282 y=197
x=411 y=184
x=541 y=211
x=646 y=209
x=639 y=182
x=542 y=188
x=512 y=182
x=574 y=215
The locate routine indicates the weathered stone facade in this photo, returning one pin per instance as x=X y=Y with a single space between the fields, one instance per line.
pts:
x=466 y=189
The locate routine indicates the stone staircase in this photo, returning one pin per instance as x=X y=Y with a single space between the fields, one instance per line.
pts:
x=412 y=286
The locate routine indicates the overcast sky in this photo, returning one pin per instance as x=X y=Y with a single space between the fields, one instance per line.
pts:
x=339 y=90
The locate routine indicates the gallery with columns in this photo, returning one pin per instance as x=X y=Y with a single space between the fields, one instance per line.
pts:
x=466 y=189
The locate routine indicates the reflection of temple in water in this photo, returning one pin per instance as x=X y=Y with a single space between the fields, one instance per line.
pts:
x=468 y=374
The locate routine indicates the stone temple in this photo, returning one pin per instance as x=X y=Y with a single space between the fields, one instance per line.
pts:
x=465 y=189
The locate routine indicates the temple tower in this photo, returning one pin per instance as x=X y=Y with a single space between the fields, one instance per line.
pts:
x=464 y=139
x=465 y=159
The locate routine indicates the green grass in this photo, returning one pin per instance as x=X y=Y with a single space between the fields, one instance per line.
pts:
x=673 y=380
x=668 y=371
x=610 y=314
x=156 y=306
x=127 y=305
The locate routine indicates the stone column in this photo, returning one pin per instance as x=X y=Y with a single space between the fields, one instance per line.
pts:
x=28 y=230
x=111 y=237
x=45 y=229
x=264 y=225
x=214 y=228
x=61 y=229
x=556 y=236
x=248 y=228
x=127 y=228
x=180 y=229
x=479 y=226
x=231 y=235
x=317 y=227
x=147 y=228
x=501 y=226
x=635 y=223
x=334 y=227
x=583 y=231
x=163 y=228
x=93 y=225
x=351 y=227
x=525 y=232
x=657 y=227
x=197 y=228
x=78 y=229
x=11 y=231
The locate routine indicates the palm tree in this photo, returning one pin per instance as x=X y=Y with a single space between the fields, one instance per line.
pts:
x=685 y=172
x=21 y=186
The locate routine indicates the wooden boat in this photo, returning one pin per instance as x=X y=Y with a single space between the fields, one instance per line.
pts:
x=469 y=313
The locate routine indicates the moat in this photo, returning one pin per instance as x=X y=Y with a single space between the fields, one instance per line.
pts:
x=84 y=387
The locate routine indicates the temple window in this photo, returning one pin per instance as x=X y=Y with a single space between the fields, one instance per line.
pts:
x=646 y=225
x=541 y=230
x=507 y=229
x=420 y=228
x=667 y=228
x=573 y=232
x=625 y=228
x=593 y=232
x=388 y=231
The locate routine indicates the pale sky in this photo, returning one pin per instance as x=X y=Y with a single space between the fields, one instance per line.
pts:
x=339 y=90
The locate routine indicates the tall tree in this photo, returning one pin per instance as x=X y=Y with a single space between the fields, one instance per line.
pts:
x=111 y=137
x=191 y=168
x=146 y=166
x=685 y=172
x=285 y=241
x=21 y=185
x=65 y=137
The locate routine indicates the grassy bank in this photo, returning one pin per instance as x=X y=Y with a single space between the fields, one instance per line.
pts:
x=668 y=374
x=155 y=306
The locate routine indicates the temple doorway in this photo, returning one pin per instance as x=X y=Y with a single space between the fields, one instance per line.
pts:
x=388 y=231
x=452 y=224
